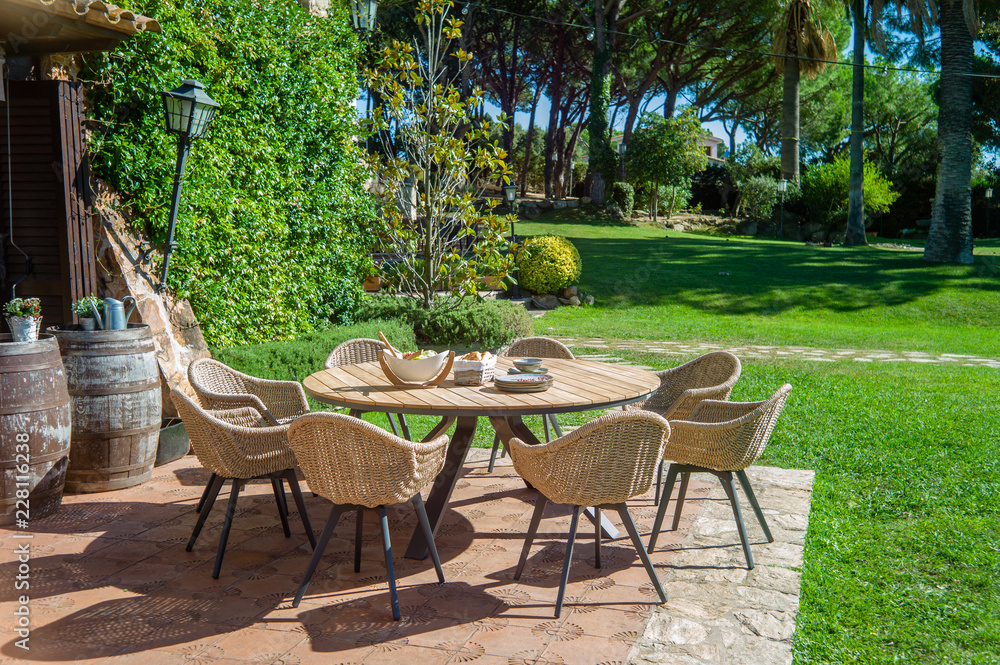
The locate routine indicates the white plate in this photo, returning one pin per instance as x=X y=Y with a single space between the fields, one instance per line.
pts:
x=523 y=379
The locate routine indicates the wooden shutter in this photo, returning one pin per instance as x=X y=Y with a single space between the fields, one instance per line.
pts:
x=48 y=187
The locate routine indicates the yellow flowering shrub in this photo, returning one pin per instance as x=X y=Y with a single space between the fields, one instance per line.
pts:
x=546 y=264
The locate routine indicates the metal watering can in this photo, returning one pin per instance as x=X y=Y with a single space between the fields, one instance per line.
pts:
x=115 y=317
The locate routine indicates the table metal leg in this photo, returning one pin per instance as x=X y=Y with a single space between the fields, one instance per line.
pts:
x=509 y=427
x=445 y=482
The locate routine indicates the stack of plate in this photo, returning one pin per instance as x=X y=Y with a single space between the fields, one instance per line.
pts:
x=522 y=382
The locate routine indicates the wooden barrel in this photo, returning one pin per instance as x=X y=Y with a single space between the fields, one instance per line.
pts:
x=34 y=428
x=114 y=387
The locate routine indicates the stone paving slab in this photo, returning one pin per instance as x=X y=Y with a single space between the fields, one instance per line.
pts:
x=672 y=348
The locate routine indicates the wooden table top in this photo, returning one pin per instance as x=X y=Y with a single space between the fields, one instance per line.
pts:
x=580 y=385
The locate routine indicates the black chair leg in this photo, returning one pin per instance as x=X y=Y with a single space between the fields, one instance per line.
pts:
x=392 y=423
x=661 y=512
x=729 y=484
x=405 y=426
x=279 y=493
x=568 y=560
x=536 y=518
x=742 y=475
x=359 y=529
x=493 y=453
x=388 y=563
x=324 y=538
x=685 y=477
x=234 y=495
x=597 y=536
x=637 y=542
x=545 y=424
x=555 y=424
x=425 y=525
x=211 y=492
x=300 y=505
x=659 y=481
x=204 y=495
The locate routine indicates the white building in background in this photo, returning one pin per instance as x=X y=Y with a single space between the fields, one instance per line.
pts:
x=713 y=146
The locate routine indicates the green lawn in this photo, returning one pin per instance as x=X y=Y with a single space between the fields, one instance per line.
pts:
x=652 y=284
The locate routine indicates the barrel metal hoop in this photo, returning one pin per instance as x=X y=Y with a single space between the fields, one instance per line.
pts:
x=37 y=459
x=113 y=434
x=101 y=474
x=55 y=362
x=116 y=391
x=14 y=410
x=100 y=353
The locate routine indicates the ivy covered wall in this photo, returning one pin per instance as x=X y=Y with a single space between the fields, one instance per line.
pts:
x=274 y=227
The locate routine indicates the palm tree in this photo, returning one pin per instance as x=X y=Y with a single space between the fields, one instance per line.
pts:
x=806 y=46
x=950 y=237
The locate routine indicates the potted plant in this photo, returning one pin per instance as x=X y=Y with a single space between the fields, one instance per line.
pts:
x=82 y=308
x=24 y=316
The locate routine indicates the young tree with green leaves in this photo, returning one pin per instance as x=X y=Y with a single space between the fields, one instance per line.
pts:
x=826 y=190
x=435 y=234
x=666 y=151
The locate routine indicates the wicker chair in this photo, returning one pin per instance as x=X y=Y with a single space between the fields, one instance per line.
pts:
x=221 y=387
x=533 y=347
x=712 y=376
x=721 y=438
x=602 y=464
x=357 y=465
x=356 y=351
x=238 y=445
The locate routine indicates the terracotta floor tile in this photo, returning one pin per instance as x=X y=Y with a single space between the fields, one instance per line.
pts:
x=585 y=650
x=152 y=657
x=512 y=639
x=414 y=654
x=261 y=646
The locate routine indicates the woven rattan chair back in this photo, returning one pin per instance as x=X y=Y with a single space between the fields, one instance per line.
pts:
x=537 y=347
x=712 y=376
x=609 y=460
x=210 y=376
x=235 y=443
x=350 y=461
x=354 y=351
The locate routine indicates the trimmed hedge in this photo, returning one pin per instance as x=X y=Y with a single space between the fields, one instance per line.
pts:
x=481 y=324
x=546 y=264
x=295 y=360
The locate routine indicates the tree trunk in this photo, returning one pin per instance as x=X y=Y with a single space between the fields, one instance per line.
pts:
x=656 y=201
x=531 y=135
x=790 y=122
x=555 y=100
x=601 y=157
x=856 y=201
x=950 y=237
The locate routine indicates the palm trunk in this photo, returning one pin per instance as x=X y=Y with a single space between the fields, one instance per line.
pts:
x=856 y=201
x=950 y=237
x=790 y=122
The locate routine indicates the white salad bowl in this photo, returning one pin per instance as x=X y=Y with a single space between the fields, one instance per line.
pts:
x=416 y=371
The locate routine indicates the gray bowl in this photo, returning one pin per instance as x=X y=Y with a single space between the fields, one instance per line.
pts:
x=527 y=364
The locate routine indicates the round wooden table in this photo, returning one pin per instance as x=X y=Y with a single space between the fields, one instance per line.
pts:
x=580 y=385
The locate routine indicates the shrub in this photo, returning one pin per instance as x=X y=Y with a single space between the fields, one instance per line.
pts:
x=826 y=188
x=487 y=324
x=277 y=181
x=759 y=194
x=623 y=194
x=297 y=359
x=546 y=264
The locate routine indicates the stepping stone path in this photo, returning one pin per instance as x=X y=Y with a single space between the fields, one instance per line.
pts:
x=671 y=348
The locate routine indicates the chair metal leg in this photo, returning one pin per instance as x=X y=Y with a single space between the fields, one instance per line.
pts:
x=388 y=563
x=661 y=512
x=204 y=495
x=392 y=423
x=493 y=453
x=742 y=475
x=279 y=491
x=300 y=505
x=685 y=477
x=545 y=424
x=536 y=518
x=211 y=492
x=359 y=528
x=729 y=484
x=405 y=426
x=597 y=536
x=659 y=481
x=324 y=538
x=637 y=542
x=568 y=560
x=555 y=424
x=418 y=505
x=234 y=495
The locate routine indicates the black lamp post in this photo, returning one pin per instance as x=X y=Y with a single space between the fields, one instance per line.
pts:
x=989 y=199
x=189 y=112
x=622 y=149
x=782 y=188
x=364 y=13
x=510 y=195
